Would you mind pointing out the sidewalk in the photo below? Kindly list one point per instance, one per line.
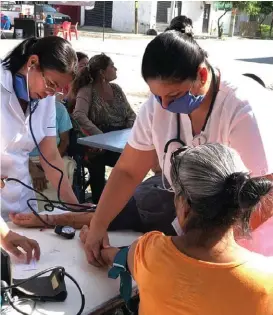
(97, 32)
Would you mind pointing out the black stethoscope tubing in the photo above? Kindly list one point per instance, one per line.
(178, 123)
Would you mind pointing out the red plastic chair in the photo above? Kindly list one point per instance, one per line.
(65, 29)
(56, 29)
(74, 29)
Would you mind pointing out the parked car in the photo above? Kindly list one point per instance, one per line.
(58, 17)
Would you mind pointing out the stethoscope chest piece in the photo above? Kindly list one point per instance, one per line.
(199, 139)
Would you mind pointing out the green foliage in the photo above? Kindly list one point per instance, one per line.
(250, 7)
(265, 31)
(265, 7)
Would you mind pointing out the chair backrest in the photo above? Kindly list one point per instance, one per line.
(75, 26)
(66, 25)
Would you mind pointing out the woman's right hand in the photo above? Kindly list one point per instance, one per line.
(96, 239)
(15, 243)
(26, 219)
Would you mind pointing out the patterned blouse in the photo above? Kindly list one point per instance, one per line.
(95, 115)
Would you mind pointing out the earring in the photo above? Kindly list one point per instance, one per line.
(103, 80)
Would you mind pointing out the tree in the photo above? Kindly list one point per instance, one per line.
(264, 9)
(249, 7)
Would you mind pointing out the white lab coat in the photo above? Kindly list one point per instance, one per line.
(17, 143)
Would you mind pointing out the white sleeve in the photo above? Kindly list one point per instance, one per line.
(50, 117)
(4, 229)
(141, 135)
(251, 136)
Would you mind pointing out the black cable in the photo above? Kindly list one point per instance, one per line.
(50, 204)
(12, 304)
(11, 301)
(51, 165)
(18, 301)
(80, 290)
(6, 288)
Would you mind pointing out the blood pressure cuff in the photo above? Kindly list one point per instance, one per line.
(120, 269)
(50, 288)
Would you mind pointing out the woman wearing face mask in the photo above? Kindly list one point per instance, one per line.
(30, 75)
(191, 103)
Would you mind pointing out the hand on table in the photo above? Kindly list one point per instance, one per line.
(94, 240)
(26, 219)
(20, 246)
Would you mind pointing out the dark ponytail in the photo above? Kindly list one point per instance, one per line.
(249, 195)
(220, 196)
(91, 72)
(18, 57)
(54, 53)
(172, 56)
(181, 24)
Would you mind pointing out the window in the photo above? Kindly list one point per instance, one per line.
(10, 6)
(48, 8)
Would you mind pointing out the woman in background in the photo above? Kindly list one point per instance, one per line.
(101, 106)
(83, 60)
(67, 97)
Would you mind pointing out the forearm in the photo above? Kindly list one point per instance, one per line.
(113, 200)
(76, 220)
(85, 123)
(109, 254)
(53, 176)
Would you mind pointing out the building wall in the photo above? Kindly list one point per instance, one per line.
(225, 20)
(100, 14)
(195, 11)
(73, 11)
(124, 16)
(146, 16)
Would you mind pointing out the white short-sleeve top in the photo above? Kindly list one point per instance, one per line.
(242, 118)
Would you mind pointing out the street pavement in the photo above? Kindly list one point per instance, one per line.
(237, 55)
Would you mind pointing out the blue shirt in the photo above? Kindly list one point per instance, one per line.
(63, 124)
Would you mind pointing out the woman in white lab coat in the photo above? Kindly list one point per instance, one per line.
(31, 74)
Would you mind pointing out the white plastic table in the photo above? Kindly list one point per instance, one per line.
(113, 141)
(100, 292)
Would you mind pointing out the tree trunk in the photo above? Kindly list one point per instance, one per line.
(220, 31)
(271, 27)
(260, 26)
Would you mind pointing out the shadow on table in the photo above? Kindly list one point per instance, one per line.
(266, 60)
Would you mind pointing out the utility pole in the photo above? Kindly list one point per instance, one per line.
(172, 10)
(136, 17)
(232, 22)
(103, 21)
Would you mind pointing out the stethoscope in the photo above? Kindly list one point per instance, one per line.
(197, 140)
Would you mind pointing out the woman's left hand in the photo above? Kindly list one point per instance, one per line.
(26, 219)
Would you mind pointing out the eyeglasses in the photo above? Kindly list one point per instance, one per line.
(51, 88)
(174, 163)
(174, 154)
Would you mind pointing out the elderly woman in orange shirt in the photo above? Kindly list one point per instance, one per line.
(204, 271)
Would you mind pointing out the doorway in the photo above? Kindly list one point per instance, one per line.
(205, 28)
